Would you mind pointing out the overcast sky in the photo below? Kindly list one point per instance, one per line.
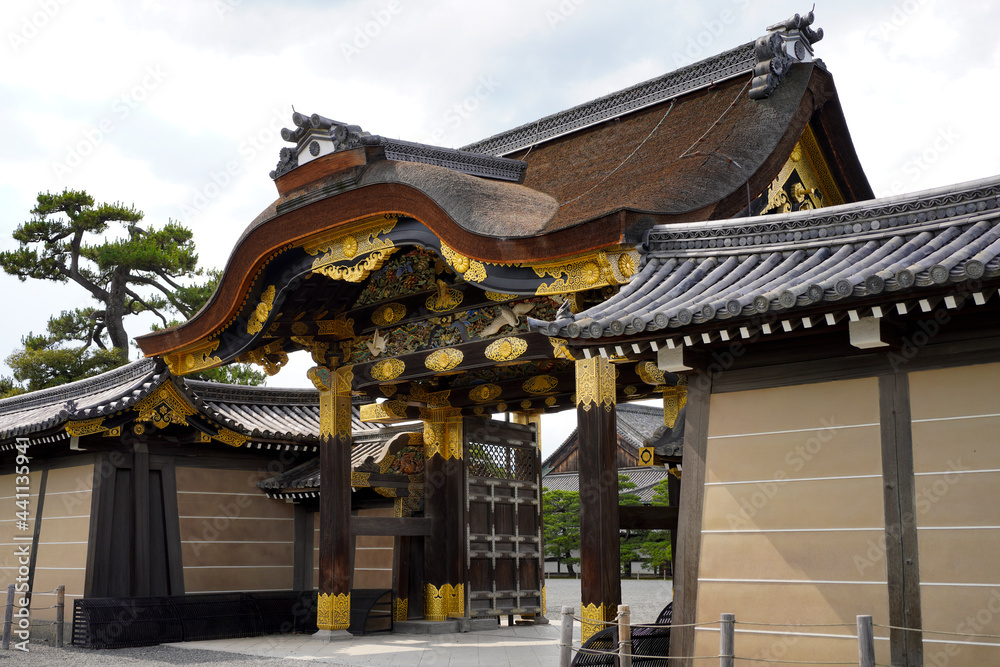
(175, 105)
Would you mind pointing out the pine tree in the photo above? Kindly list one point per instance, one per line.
(125, 268)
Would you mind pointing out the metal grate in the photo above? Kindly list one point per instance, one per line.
(502, 462)
(121, 622)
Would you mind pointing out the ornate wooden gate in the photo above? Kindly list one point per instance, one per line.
(503, 504)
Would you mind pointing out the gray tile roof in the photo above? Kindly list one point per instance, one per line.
(644, 478)
(717, 272)
(93, 397)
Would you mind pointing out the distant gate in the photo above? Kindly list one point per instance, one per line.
(503, 505)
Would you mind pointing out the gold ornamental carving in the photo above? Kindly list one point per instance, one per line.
(595, 383)
(443, 360)
(506, 349)
(231, 438)
(194, 360)
(649, 373)
(594, 618)
(163, 407)
(626, 265)
(674, 399)
(389, 314)
(399, 612)
(340, 327)
(472, 270)
(271, 357)
(260, 314)
(85, 427)
(435, 603)
(388, 369)
(444, 299)
(496, 296)
(384, 413)
(560, 350)
(540, 384)
(589, 272)
(484, 393)
(333, 612)
(366, 238)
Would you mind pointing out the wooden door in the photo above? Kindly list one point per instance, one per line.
(504, 509)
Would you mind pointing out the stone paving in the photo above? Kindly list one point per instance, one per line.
(522, 646)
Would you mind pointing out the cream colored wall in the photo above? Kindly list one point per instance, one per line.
(956, 462)
(62, 542)
(8, 525)
(793, 521)
(233, 537)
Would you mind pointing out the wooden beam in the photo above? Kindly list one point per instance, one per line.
(902, 566)
(687, 552)
(647, 517)
(381, 525)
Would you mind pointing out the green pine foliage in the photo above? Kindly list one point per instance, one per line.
(125, 269)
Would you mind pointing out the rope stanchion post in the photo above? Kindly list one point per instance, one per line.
(866, 642)
(727, 640)
(566, 637)
(8, 616)
(624, 637)
(60, 606)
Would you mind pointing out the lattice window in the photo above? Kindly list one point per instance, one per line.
(501, 461)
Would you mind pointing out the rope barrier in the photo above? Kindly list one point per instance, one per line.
(794, 662)
(590, 651)
(936, 632)
(799, 625)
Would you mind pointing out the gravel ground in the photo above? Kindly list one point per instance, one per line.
(42, 655)
(645, 597)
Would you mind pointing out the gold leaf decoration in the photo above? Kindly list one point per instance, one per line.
(559, 349)
(540, 384)
(588, 272)
(595, 383)
(496, 296)
(388, 369)
(506, 349)
(86, 427)
(550, 401)
(231, 438)
(649, 373)
(443, 360)
(435, 603)
(626, 265)
(446, 299)
(485, 393)
(300, 328)
(333, 612)
(360, 271)
(389, 314)
(476, 272)
(260, 314)
(399, 612)
(338, 328)
(163, 407)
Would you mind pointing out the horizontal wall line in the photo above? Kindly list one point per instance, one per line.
(792, 479)
(236, 542)
(960, 585)
(796, 530)
(791, 581)
(958, 528)
(794, 430)
(955, 418)
(955, 641)
(955, 472)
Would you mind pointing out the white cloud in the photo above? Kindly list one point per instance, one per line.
(906, 71)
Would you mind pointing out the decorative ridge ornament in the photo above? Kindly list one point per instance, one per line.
(316, 136)
(787, 42)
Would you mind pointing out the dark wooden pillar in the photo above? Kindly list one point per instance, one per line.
(334, 607)
(902, 566)
(600, 554)
(444, 505)
(687, 551)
